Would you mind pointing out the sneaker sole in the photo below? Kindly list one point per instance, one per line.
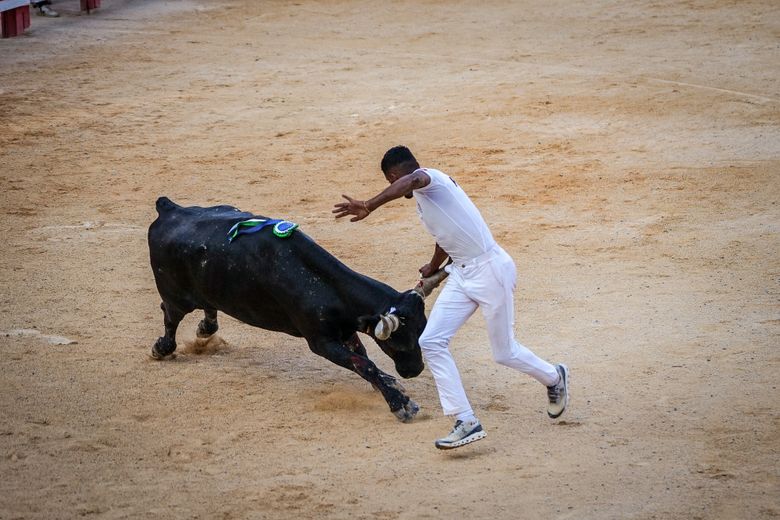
(466, 440)
(566, 401)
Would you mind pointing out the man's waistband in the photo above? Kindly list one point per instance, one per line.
(484, 257)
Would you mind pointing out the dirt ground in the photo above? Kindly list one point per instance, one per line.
(626, 154)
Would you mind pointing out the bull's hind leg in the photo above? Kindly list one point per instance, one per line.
(208, 325)
(165, 345)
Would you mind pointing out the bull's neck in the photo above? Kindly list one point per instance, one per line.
(369, 296)
(364, 294)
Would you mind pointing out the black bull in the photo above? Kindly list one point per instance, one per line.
(289, 285)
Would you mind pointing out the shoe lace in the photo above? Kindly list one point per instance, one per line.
(552, 393)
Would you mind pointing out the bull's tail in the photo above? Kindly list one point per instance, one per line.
(165, 204)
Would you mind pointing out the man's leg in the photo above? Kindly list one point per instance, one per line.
(451, 310)
(493, 289)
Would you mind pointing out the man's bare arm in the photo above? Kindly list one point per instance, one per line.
(361, 209)
(403, 186)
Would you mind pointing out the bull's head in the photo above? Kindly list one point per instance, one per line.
(397, 330)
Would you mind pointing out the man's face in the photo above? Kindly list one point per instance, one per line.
(395, 173)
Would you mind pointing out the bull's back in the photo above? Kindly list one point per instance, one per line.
(257, 278)
(181, 234)
(189, 246)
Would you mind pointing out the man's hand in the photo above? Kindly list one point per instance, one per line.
(359, 208)
(427, 270)
(432, 267)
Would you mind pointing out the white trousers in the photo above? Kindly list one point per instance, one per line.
(488, 282)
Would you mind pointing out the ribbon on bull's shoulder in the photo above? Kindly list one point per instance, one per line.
(284, 228)
(281, 228)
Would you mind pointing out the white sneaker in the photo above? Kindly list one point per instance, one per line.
(462, 433)
(558, 394)
(45, 10)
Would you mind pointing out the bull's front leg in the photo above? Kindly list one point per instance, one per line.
(404, 408)
(400, 404)
(355, 345)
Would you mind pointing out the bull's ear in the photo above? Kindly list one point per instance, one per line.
(367, 323)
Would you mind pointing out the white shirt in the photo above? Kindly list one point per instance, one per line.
(449, 215)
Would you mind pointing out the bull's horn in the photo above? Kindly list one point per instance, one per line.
(426, 285)
(388, 323)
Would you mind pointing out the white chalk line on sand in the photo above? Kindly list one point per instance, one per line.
(705, 87)
(52, 340)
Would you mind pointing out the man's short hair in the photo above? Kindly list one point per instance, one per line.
(398, 155)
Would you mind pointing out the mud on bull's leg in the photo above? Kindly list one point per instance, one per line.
(355, 345)
(208, 325)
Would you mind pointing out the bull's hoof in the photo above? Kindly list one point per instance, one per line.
(206, 329)
(407, 412)
(163, 348)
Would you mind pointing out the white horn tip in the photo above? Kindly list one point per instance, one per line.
(388, 323)
(382, 330)
(395, 322)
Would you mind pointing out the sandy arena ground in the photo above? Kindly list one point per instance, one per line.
(626, 154)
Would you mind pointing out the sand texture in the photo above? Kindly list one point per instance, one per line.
(626, 154)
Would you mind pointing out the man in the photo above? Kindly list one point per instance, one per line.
(482, 275)
(43, 8)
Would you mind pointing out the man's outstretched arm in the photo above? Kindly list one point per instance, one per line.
(362, 208)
